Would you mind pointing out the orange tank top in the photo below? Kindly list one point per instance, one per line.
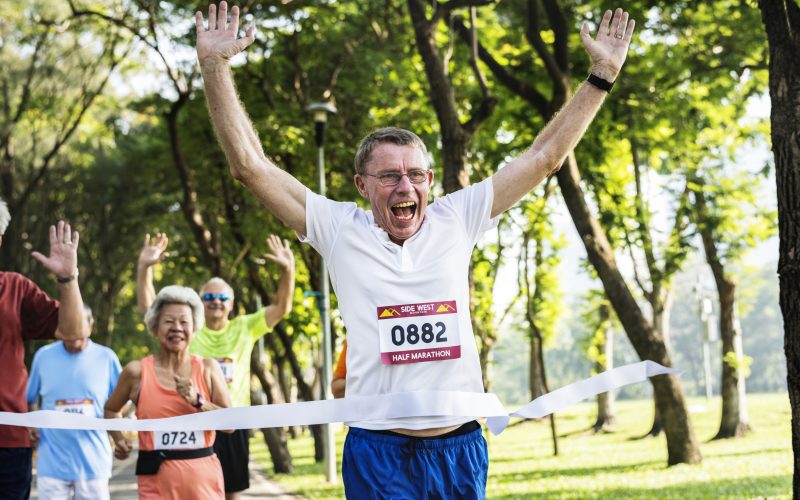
(155, 401)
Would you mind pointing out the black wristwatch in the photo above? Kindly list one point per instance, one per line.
(200, 401)
(600, 83)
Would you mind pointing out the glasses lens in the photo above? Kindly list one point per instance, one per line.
(417, 176)
(389, 179)
(208, 297)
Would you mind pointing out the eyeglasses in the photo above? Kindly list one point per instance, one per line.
(393, 178)
(208, 297)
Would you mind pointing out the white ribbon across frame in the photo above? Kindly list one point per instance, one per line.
(356, 409)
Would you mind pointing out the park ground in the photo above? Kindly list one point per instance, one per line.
(609, 465)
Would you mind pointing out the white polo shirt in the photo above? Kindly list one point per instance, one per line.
(406, 308)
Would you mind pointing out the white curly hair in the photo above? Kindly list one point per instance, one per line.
(175, 294)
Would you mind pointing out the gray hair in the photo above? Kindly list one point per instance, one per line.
(5, 217)
(175, 294)
(392, 135)
(216, 280)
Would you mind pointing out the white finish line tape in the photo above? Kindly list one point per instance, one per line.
(355, 409)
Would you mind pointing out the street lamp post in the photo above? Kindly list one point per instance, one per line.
(321, 111)
(705, 309)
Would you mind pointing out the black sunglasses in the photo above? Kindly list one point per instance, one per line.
(208, 297)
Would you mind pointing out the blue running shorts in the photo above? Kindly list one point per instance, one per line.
(386, 465)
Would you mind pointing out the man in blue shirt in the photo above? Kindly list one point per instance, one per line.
(73, 376)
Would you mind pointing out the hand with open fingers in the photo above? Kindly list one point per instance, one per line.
(63, 258)
(220, 39)
(280, 253)
(610, 48)
(186, 389)
(153, 251)
(122, 449)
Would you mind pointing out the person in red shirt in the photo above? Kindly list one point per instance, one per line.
(27, 313)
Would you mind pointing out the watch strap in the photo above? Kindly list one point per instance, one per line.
(600, 83)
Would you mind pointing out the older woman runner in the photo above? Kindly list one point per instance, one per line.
(173, 465)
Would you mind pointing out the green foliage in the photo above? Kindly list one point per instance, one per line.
(731, 360)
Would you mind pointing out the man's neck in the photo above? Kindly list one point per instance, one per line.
(216, 324)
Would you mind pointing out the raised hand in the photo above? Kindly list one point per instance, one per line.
(153, 252)
(610, 48)
(63, 258)
(221, 39)
(281, 254)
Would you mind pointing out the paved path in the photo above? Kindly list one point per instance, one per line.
(123, 483)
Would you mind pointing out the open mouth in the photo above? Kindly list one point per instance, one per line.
(404, 210)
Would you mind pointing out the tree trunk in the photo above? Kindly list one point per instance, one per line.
(782, 22)
(274, 437)
(206, 240)
(731, 422)
(535, 370)
(681, 443)
(606, 413)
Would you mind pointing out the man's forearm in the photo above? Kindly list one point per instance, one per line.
(285, 289)
(234, 129)
(565, 130)
(282, 306)
(549, 150)
(70, 312)
(145, 290)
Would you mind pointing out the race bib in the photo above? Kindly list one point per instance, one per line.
(178, 440)
(227, 368)
(414, 333)
(77, 406)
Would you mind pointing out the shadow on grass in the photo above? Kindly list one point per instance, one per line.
(769, 486)
(755, 451)
(542, 473)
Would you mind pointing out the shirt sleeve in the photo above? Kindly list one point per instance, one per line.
(39, 314)
(473, 204)
(114, 371)
(256, 323)
(34, 380)
(323, 218)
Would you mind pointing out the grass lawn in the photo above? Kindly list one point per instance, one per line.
(613, 465)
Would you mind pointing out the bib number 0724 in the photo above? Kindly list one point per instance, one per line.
(177, 438)
(412, 334)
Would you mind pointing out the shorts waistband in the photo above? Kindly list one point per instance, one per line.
(464, 434)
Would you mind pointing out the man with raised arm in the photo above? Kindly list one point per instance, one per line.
(229, 341)
(27, 313)
(400, 270)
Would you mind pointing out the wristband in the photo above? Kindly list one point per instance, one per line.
(600, 83)
(200, 401)
(66, 279)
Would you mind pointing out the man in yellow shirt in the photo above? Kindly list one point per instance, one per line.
(229, 341)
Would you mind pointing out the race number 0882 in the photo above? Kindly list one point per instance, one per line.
(412, 334)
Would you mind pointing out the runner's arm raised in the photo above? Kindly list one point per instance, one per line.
(607, 52)
(277, 190)
(281, 254)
